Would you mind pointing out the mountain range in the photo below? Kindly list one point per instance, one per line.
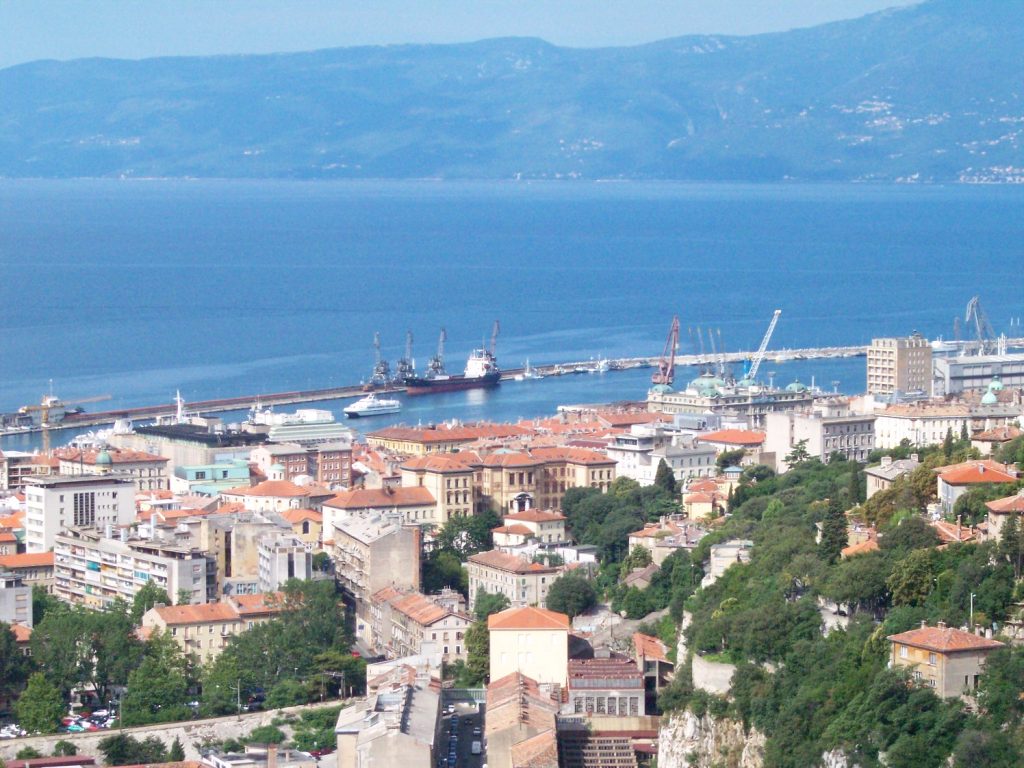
(927, 93)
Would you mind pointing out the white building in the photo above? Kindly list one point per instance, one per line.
(638, 453)
(56, 502)
(15, 600)
(899, 365)
(283, 557)
(928, 423)
(829, 428)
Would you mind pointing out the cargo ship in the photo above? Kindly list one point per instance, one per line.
(481, 371)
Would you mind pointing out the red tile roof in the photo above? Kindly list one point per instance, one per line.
(647, 647)
(517, 530)
(528, 618)
(22, 634)
(1007, 505)
(951, 532)
(974, 473)
(506, 562)
(272, 488)
(571, 455)
(510, 459)
(444, 434)
(300, 515)
(741, 437)
(945, 640)
(863, 548)
(998, 435)
(402, 496)
(205, 613)
(250, 605)
(27, 560)
(462, 461)
(536, 516)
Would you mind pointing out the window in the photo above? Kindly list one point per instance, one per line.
(932, 659)
(903, 651)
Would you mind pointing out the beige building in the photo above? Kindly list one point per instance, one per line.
(203, 630)
(521, 723)
(826, 429)
(882, 477)
(34, 568)
(530, 641)
(498, 573)
(409, 624)
(448, 478)
(277, 496)
(148, 471)
(514, 481)
(416, 505)
(945, 659)
(547, 527)
(902, 364)
(999, 512)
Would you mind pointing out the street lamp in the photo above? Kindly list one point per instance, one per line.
(972, 611)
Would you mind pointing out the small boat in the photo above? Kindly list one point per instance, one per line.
(603, 366)
(371, 405)
(528, 373)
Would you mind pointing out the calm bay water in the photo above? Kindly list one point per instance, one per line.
(220, 288)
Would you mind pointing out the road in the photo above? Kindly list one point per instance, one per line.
(468, 717)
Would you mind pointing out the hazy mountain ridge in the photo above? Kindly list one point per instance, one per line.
(929, 93)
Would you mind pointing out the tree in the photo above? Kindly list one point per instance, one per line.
(860, 583)
(321, 562)
(965, 436)
(478, 654)
(115, 647)
(833, 531)
(798, 455)
(947, 444)
(13, 664)
(60, 645)
(909, 534)
(640, 557)
(442, 568)
(64, 748)
(486, 604)
(146, 598)
(287, 693)
(728, 459)
(176, 753)
(571, 594)
(42, 601)
(467, 535)
(664, 478)
(1011, 543)
(158, 688)
(265, 734)
(40, 706)
(121, 749)
(184, 597)
(28, 753)
(912, 578)
(854, 489)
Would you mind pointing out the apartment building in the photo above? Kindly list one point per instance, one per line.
(829, 428)
(34, 568)
(899, 364)
(201, 630)
(56, 502)
(282, 557)
(15, 600)
(927, 423)
(416, 505)
(530, 641)
(16, 466)
(946, 659)
(94, 569)
(406, 623)
(522, 582)
(448, 477)
(147, 470)
(277, 496)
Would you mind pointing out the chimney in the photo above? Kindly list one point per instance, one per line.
(941, 625)
(271, 755)
(924, 624)
(886, 461)
(981, 469)
(124, 535)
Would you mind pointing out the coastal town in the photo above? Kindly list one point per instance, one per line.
(599, 587)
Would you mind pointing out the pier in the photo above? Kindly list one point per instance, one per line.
(152, 412)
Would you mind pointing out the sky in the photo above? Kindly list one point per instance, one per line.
(69, 29)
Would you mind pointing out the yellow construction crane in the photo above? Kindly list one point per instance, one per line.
(51, 403)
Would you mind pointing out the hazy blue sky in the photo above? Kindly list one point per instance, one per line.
(66, 29)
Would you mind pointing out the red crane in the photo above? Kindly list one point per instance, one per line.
(667, 364)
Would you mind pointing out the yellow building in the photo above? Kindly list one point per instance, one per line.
(442, 438)
(514, 481)
(449, 479)
(945, 659)
(531, 641)
(307, 524)
(202, 630)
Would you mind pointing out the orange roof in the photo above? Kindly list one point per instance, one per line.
(510, 459)
(571, 455)
(700, 498)
(974, 473)
(868, 545)
(536, 516)
(1007, 505)
(402, 496)
(300, 515)
(22, 634)
(951, 532)
(709, 486)
(528, 618)
(247, 605)
(945, 640)
(117, 456)
(506, 562)
(6, 537)
(517, 530)
(657, 530)
(445, 434)
(648, 647)
(443, 462)
(196, 614)
(998, 435)
(274, 488)
(28, 560)
(741, 437)
(414, 605)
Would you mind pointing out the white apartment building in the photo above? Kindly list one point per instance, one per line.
(928, 423)
(281, 558)
(56, 502)
(638, 453)
(827, 429)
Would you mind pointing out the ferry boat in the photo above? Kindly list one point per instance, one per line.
(481, 372)
(371, 405)
(306, 425)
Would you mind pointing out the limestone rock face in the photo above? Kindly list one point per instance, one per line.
(688, 741)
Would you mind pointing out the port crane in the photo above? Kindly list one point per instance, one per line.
(667, 363)
(381, 369)
(982, 327)
(406, 366)
(436, 365)
(51, 404)
(759, 356)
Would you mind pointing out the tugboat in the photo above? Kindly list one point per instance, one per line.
(482, 371)
(371, 405)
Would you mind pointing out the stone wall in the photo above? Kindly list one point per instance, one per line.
(712, 676)
(192, 733)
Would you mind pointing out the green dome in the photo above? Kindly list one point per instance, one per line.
(746, 383)
(995, 385)
(989, 398)
(277, 468)
(103, 457)
(662, 389)
(796, 386)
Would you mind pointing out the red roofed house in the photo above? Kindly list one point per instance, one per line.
(545, 526)
(34, 568)
(522, 582)
(307, 524)
(448, 477)
(277, 496)
(956, 480)
(416, 505)
(1000, 510)
(531, 641)
(409, 623)
(666, 536)
(943, 658)
(651, 657)
(203, 630)
(988, 441)
(148, 470)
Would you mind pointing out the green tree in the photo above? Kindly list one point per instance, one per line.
(146, 598)
(665, 479)
(321, 562)
(1011, 543)
(478, 653)
(184, 597)
(265, 734)
(727, 459)
(13, 664)
(467, 535)
(571, 594)
(176, 753)
(965, 436)
(798, 455)
(947, 444)
(28, 753)
(640, 557)
(912, 578)
(854, 491)
(116, 649)
(64, 748)
(287, 693)
(833, 531)
(860, 583)
(122, 749)
(61, 646)
(442, 568)
(42, 601)
(40, 706)
(909, 534)
(487, 603)
(158, 688)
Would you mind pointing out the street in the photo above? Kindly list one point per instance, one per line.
(469, 719)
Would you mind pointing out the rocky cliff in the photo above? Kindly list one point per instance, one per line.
(688, 741)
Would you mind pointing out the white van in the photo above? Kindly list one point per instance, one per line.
(475, 749)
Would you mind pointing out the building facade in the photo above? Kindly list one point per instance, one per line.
(57, 502)
(530, 641)
(945, 659)
(15, 600)
(899, 364)
(497, 573)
